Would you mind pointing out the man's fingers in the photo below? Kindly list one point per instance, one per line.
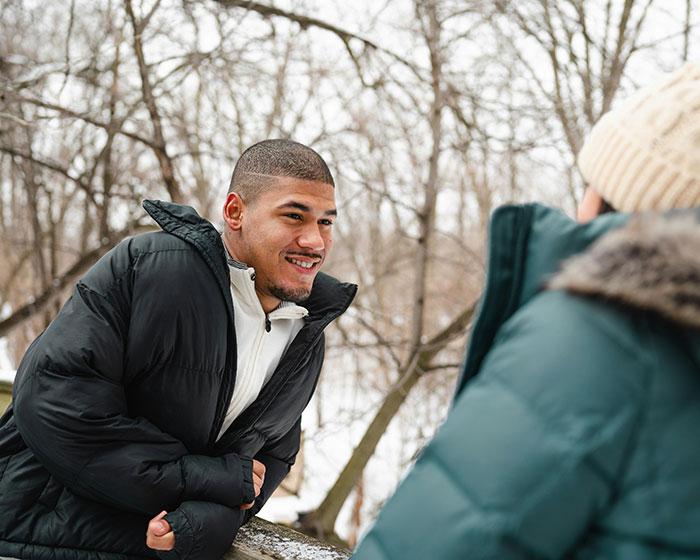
(257, 484)
(166, 542)
(258, 479)
(158, 535)
(258, 468)
(258, 475)
(159, 526)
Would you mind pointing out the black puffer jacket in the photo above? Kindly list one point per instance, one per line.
(118, 403)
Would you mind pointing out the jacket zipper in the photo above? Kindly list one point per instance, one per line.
(304, 352)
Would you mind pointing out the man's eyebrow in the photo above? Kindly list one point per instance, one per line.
(305, 208)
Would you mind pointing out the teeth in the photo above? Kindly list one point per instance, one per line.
(302, 264)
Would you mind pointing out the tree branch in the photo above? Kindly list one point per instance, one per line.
(53, 166)
(44, 299)
(83, 117)
(306, 22)
(166, 164)
(73, 274)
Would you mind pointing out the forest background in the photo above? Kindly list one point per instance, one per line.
(429, 112)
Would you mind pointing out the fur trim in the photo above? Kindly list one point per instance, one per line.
(652, 263)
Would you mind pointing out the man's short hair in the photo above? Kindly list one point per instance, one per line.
(259, 165)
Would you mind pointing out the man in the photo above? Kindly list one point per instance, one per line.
(574, 429)
(174, 378)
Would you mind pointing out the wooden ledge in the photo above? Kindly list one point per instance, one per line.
(262, 540)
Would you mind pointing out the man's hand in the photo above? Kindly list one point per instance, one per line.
(258, 479)
(159, 536)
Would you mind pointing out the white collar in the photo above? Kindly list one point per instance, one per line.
(243, 285)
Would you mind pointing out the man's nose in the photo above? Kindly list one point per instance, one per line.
(311, 238)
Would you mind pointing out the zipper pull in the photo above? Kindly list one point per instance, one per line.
(268, 324)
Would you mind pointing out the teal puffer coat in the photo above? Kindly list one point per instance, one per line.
(574, 430)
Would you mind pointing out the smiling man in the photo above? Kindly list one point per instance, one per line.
(170, 387)
(286, 230)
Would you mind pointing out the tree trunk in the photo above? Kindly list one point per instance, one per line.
(321, 523)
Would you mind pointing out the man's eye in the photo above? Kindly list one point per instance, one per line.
(293, 216)
(326, 222)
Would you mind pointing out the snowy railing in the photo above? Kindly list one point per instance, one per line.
(263, 540)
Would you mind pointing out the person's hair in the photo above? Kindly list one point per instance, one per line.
(260, 165)
(605, 207)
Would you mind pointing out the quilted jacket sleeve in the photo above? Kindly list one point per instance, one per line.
(531, 449)
(71, 410)
(205, 530)
(278, 458)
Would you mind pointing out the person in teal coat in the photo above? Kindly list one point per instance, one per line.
(574, 429)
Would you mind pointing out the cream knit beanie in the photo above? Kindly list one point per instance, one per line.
(645, 153)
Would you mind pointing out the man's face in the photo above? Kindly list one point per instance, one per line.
(285, 235)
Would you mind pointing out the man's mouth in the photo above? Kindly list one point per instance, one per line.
(307, 263)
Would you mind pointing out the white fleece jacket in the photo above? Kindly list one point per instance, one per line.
(259, 350)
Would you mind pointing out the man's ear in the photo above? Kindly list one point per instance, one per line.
(233, 211)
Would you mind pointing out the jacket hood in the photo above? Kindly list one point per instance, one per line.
(651, 263)
(184, 222)
(533, 246)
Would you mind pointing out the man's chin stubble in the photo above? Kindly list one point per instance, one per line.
(288, 294)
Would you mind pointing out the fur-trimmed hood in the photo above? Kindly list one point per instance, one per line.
(651, 263)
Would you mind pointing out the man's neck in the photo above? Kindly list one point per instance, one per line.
(268, 302)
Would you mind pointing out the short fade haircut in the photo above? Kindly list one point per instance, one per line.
(259, 165)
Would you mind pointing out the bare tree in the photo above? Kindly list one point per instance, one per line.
(102, 121)
(588, 48)
(104, 104)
